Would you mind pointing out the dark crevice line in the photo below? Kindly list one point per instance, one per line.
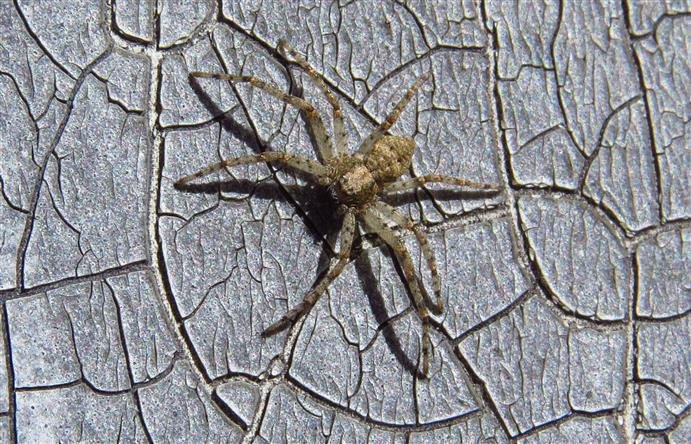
(602, 216)
(205, 26)
(651, 132)
(11, 395)
(611, 216)
(172, 304)
(156, 31)
(6, 198)
(545, 288)
(600, 138)
(35, 131)
(106, 393)
(114, 101)
(521, 67)
(24, 101)
(649, 381)
(301, 389)
(418, 23)
(539, 135)
(554, 423)
(38, 42)
(136, 41)
(232, 376)
(61, 386)
(57, 211)
(664, 433)
(655, 25)
(217, 118)
(7, 295)
(128, 359)
(560, 99)
(140, 415)
(389, 322)
(479, 385)
(662, 319)
(629, 392)
(230, 414)
(28, 228)
(553, 188)
(504, 312)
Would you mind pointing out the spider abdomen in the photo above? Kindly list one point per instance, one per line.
(390, 158)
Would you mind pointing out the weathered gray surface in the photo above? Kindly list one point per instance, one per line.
(132, 311)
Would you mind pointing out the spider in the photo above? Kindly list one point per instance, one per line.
(357, 182)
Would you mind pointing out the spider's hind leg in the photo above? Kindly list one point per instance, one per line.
(389, 236)
(337, 113)
(347, 236)
(315, 121)
(436, 307)
(317, 170)
(381, 130)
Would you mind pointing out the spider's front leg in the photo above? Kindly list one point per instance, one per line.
(319, 171)
(337, 114)
(375, 223)
(315, 121)
(346, 243)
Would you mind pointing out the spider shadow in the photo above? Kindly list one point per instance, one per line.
(319, 211)
(365, 274)
(227, 122)
(412, 196)
(314, 201)
(270, 190)
(314, 204)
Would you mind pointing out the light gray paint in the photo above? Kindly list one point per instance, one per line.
(132, 311)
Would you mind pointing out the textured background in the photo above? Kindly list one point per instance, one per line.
(132, 311)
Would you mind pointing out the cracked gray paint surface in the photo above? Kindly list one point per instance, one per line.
(135, 309)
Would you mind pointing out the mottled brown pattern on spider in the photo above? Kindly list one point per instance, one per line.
(357, 182)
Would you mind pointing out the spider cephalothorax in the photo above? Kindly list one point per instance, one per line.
(352, 182)
(358, 181)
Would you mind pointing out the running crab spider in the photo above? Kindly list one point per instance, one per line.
(357, 182)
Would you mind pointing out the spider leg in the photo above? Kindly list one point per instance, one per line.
(405, 222)
(347, 236)
(315, 121)
(375, 223)
(435, 178)
(379, 132)
(339, 128)
(319, 171)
